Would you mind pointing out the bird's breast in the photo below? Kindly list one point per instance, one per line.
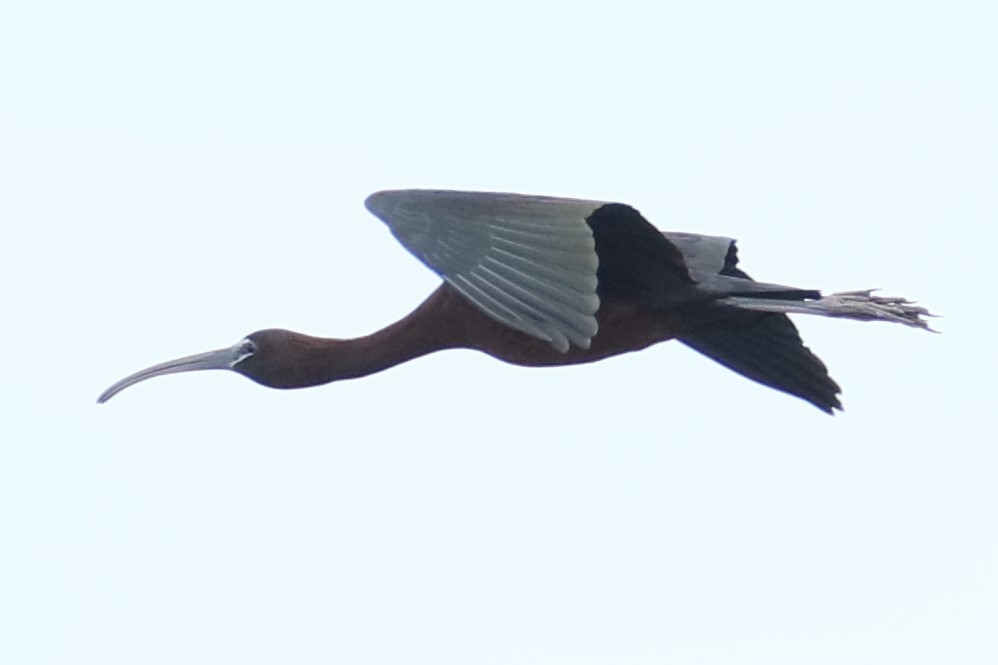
(623, 327)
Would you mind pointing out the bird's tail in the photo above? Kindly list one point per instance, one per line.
(857, 305)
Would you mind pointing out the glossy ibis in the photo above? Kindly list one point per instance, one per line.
(540, 281)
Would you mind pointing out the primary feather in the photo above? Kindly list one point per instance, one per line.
(527, 261)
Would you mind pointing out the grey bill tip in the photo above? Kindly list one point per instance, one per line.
(219, 359)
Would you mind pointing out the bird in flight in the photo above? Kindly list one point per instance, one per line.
(543, 281)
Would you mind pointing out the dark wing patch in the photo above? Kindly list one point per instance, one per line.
(731, 268)
(636, 262)
(768, 349)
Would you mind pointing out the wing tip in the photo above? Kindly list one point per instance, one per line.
(379, 203)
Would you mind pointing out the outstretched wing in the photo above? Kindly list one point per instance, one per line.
(527, 261)
(767, 348)
(707, 255)
(713, 263)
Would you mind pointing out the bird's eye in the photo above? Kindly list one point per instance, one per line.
(246, 349)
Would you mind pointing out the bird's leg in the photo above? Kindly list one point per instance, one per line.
(857, 305)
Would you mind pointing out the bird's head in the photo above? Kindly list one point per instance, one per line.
(267, 356)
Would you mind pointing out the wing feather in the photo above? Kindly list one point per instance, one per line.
(527, 261)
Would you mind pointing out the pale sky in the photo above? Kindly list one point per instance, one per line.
(176, 177)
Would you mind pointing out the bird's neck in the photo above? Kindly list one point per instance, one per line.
(435, 325)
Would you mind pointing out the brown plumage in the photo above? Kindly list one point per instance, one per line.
(539, 281)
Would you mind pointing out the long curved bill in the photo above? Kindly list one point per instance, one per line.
(220, 359)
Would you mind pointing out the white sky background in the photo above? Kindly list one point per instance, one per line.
(174, 178)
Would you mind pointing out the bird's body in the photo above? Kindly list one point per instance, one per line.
(540, 281)
(446, 320)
